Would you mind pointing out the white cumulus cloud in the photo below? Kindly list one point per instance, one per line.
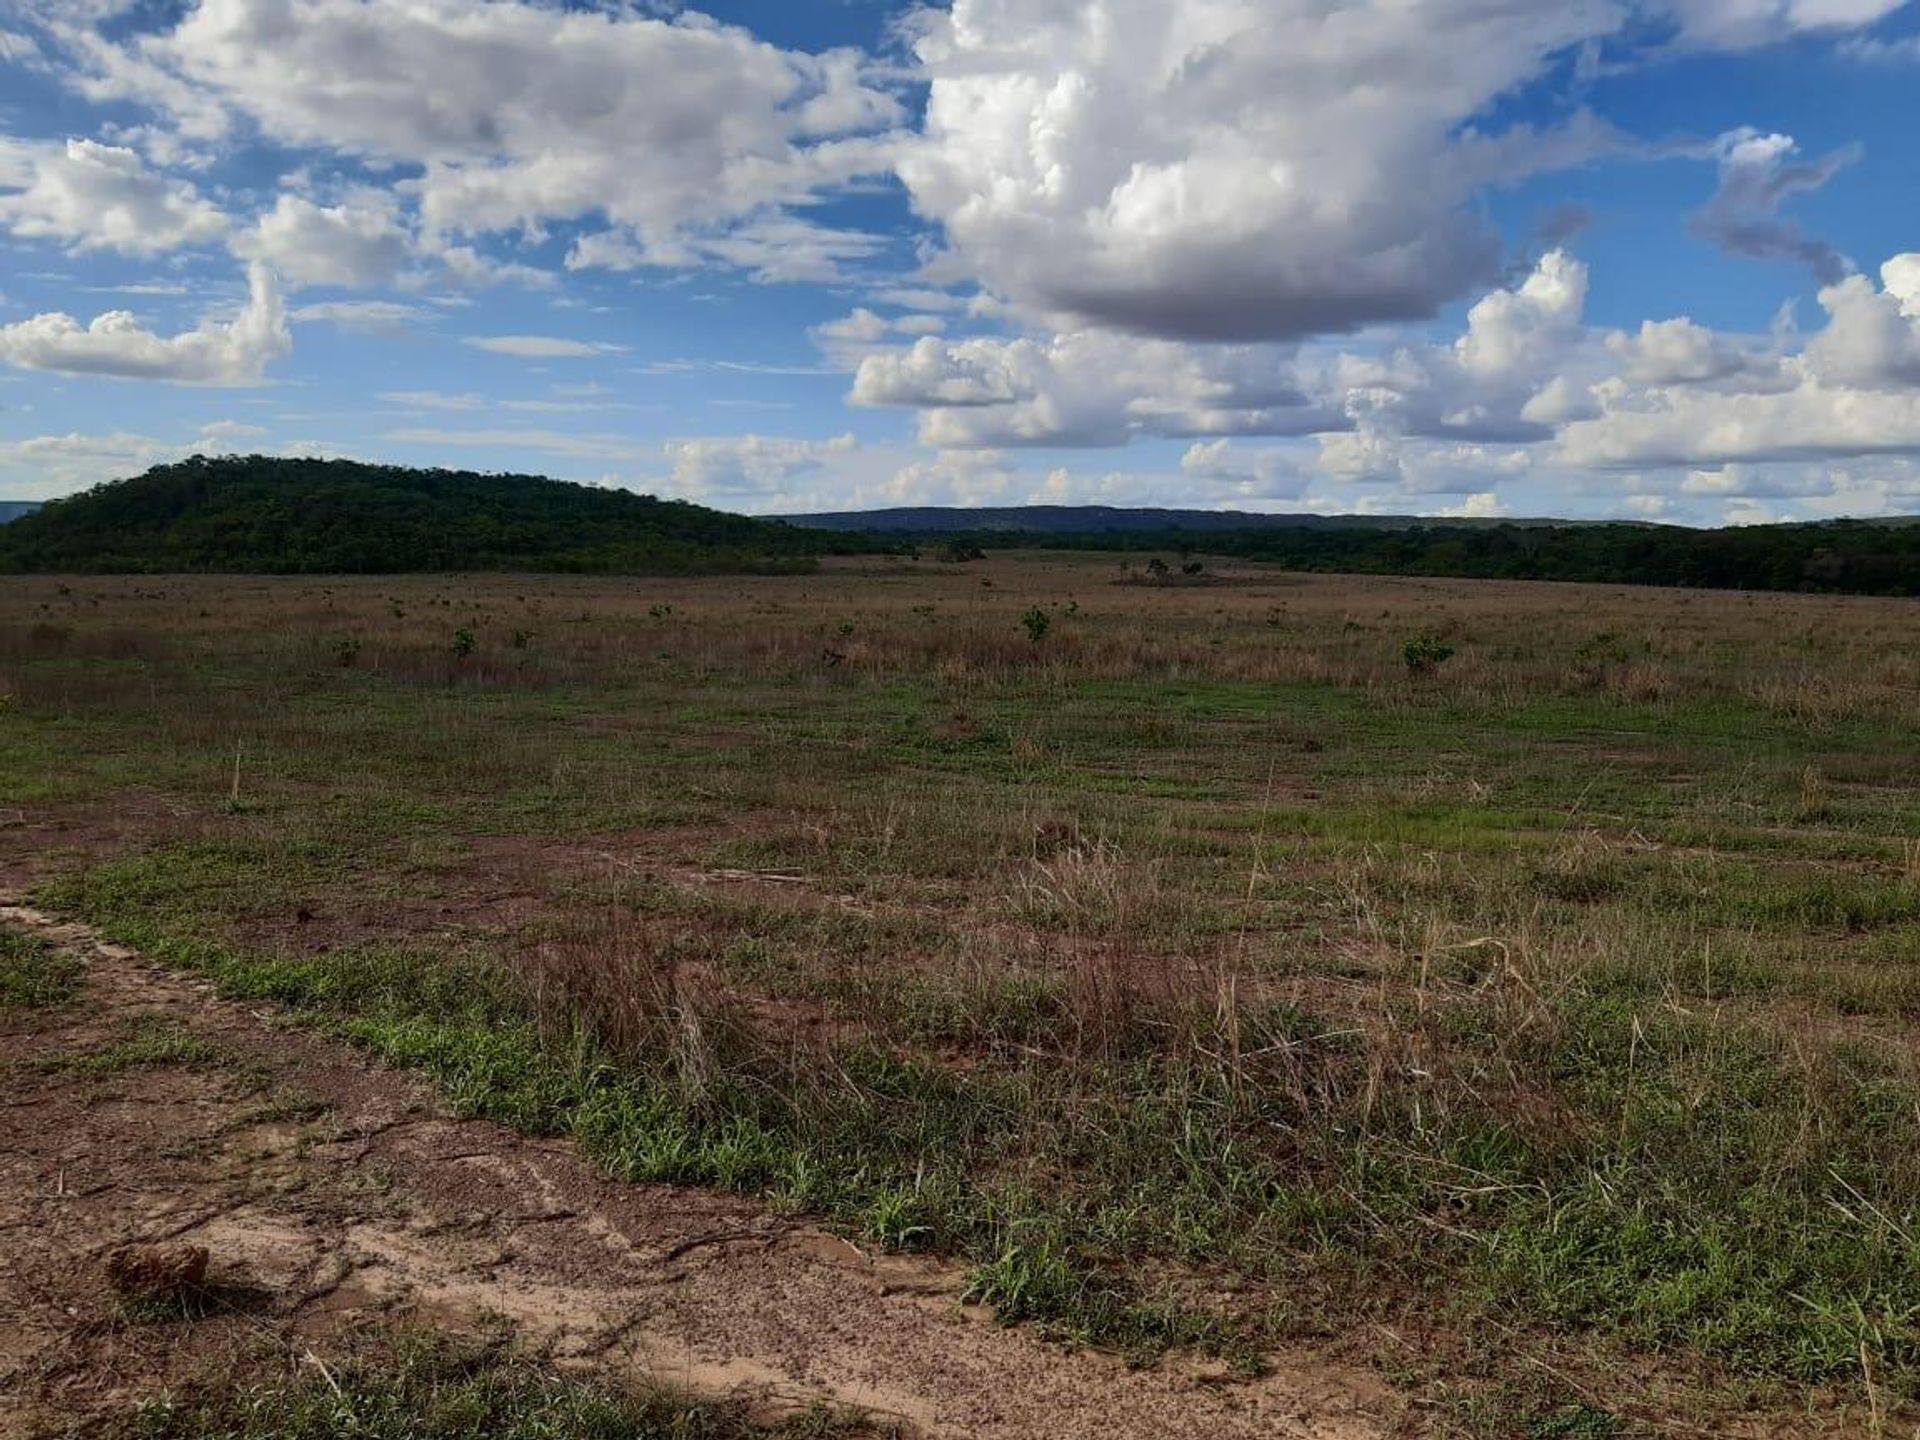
(1853, 390)
(219, 352)
(518, 113)
(359, 245)
(754, 466)
(1088, 388)
(88, 196)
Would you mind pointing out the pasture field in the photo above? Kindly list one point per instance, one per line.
(1508, 990)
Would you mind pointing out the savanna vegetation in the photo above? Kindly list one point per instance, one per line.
(1512, 985)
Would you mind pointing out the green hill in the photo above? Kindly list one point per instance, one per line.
(285, 516)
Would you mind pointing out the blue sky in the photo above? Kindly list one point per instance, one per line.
(1646, 258)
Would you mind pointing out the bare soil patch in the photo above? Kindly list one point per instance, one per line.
(331, 1193)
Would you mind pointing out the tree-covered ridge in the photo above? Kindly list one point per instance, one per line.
(291, 516)
(1857, 557)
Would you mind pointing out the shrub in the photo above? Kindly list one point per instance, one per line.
(1426, 653)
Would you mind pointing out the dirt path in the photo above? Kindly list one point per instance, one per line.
(332, 1191)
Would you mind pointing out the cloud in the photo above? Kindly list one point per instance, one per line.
(1869, 50)
(1500, 381)
(754, 466)
(1743, 24)
(519, 113)
(87, 196)
(366, 316)
(229, 352)
(849, 340)
(1274, 169)
(1257, 475)
(18, 49)
(1365, 457)
(1233, 169)
(1751, 482)
(774, 250)
(542, 347)
(1485, 505)
(965, 478)
(1703, 428)
(432, 400)
(570, 443)
(45, 467)
(1853, 390)
(1088, 388)
(1872, 338)
(359, 245)
(1680, 352)
(1757, 174)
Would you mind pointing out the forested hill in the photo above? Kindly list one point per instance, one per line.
(14, 509)
(285, 516)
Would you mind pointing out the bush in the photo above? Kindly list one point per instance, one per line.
(1426, 653)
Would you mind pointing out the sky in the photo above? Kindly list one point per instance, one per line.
(1651, 259)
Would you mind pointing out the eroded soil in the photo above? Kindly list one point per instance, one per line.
(334, 1193)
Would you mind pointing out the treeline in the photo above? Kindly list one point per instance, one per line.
(1856, 557)
(271, 515)
(259, 514)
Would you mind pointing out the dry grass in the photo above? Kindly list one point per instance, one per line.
(1554, 987)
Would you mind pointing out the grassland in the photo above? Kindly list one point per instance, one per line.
(1200, 973)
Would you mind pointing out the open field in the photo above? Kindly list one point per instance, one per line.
(1523, 1037)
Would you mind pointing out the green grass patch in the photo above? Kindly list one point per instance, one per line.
(34, 974)
(147, 1041)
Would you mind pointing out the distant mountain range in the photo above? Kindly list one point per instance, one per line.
(15, 509)
(1110, 520)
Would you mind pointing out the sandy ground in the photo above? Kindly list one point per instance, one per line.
(333, 1192)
